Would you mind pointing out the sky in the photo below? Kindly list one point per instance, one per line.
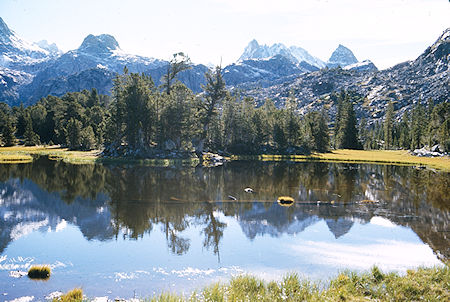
(216, 31)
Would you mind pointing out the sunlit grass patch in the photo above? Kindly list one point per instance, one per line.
(424, 284)
(39, 272)
(75, 295)
(395, 157)
(19, 154)
(6, 158)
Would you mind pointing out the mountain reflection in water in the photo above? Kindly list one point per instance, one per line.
(106, 201)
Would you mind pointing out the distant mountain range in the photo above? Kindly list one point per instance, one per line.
(30, 71)
(404, 84)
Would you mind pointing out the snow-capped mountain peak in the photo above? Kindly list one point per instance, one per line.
(295, 54)
(15, 51)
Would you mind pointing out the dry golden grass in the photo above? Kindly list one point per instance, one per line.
(75, 295)
(396, 157)
(20, 154)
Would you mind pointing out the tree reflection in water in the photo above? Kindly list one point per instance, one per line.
(106, 201)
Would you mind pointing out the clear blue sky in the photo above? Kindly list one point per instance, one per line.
(385, 31)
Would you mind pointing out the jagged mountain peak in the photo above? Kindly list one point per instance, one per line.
(253, 51)
(99, 44)
(342, 56)
(295, 54)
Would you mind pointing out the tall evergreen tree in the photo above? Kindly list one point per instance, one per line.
(404, 135)
(292, 121)
(31, 138)
(417, 120)
(94, 99)
(214, 93)
(9, 139)
(346, 133)
(388, 126)
(74, 133)
(317, 131)
(179, 62)
(20, 114)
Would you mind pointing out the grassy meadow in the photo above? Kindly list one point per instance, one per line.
(22, 154)
(393, 157)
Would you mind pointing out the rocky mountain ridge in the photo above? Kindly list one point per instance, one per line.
(404, 84)
(29, 72)
(294, 53)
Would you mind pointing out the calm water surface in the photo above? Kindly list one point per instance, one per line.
(125, 231)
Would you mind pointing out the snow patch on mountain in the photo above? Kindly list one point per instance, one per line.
(51, 48)
(364, 65)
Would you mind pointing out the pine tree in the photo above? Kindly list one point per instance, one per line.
(87, 139)
(417, 120)
(279, 136)
(9, 139)
(404, 136)
(292, 121)
(346, 133)
(317, 131)
(388, 126)
(215, 92)
(74, 134)
(179, 62)
(428, 133)
(20, 118)
(364, 134)
(31, 138)
(94, 99)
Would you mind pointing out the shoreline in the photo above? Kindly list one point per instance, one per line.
(23, 154)
(420, 283)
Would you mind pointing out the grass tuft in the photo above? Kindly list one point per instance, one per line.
(75, 295)
(39, 272)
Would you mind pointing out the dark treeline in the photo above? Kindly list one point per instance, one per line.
(426, 125)
(141, 119)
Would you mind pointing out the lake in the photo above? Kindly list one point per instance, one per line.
(133, 231)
